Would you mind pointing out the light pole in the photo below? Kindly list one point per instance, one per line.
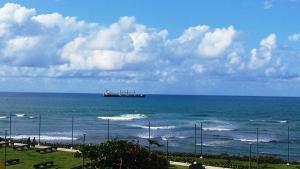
(107, 129)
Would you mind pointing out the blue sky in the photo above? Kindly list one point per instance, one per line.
(175, 47)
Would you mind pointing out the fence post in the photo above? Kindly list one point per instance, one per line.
(167, 149)
(257, 152)
(288, 142)
(107, 129)
(72, 132)
(149, 137)
(250, 151)
(40, 118)
(83, 156)
(195, 140)
(5, 144)
(10, 125)
(201, 141)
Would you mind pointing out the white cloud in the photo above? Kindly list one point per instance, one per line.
(294, 37)
(122, 43)
(192, 33)
(53, 45)
(15, 13)
(216, 42)
(263, 55)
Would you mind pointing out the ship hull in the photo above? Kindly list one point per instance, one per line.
(116, 95)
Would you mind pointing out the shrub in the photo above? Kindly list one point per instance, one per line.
(123, 154)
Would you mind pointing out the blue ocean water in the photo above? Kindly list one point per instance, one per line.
(229, 122)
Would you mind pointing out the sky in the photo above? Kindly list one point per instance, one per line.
(207, 47)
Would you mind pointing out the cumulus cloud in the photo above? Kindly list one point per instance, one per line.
(294, 37)
(215, 43)
(53, 45)
(263, 55)
(124, 43)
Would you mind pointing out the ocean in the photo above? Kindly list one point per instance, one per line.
(229, 122)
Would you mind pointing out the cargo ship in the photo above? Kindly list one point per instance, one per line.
(121, 93)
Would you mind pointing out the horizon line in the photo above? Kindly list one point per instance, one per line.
(166, 94)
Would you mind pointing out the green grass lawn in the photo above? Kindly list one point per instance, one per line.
(63, 160)
(67, 160)
(30, 157)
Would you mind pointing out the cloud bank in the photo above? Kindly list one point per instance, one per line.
(57, 46)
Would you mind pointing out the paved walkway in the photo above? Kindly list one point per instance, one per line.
(186, 165)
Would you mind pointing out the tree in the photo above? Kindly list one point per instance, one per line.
(116, 154)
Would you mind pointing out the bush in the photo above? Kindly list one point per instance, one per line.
(117, 154)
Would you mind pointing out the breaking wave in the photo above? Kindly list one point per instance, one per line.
(216, 129)
(20, 115)
(44, 137)
(123, 117)
(153, 127)
(254, 140)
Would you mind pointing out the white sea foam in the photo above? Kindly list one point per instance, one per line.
(3, 117)
(45, 137)
(216, 129)
(181, 137)
(31, 117)
(169, 137)
(153, 127)
(145, 136)
(164, 138)
(270, 121)
(254, 140)
(20, 115)
(214, 143)
(123, 117)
